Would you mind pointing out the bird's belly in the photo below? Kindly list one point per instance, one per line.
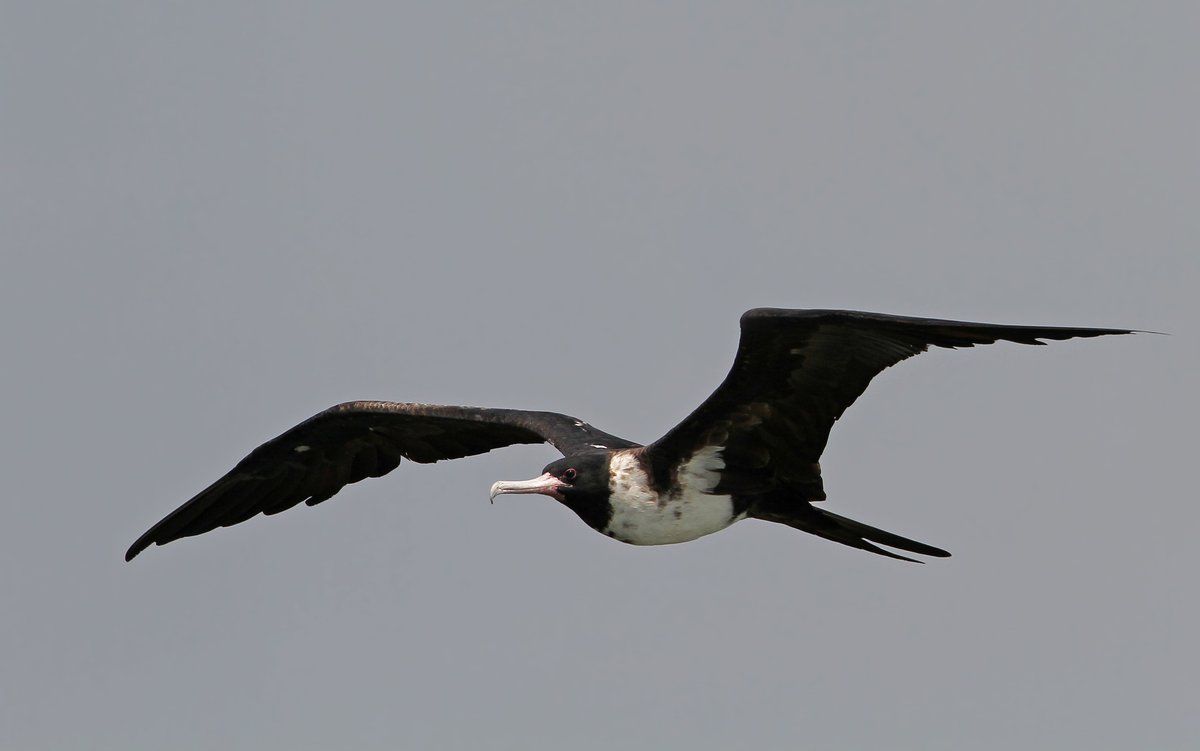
(640, 520)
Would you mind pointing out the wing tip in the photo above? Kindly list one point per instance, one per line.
(136, 548)
(1063, 332)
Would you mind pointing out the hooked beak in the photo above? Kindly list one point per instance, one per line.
(547, 484)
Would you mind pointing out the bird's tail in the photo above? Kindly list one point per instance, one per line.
(831, 526)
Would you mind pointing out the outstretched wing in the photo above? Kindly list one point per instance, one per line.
(352, 441)
(795, 373)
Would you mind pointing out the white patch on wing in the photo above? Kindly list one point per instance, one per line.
(302, 449)
(641, 517)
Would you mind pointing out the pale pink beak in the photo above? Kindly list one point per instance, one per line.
(547, 484)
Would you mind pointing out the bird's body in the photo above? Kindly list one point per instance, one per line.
(643, 515)
(751, 450)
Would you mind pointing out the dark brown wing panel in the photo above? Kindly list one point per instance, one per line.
(356, 440)
(796, 372)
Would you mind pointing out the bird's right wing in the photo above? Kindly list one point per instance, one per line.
(352, 441)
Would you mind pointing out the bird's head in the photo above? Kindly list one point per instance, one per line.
(579, 482)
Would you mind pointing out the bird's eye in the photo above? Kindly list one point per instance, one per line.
(570, 475)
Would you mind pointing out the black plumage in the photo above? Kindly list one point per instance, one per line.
(795, 373)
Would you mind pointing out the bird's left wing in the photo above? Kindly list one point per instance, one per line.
(795, 373)
(355, 440)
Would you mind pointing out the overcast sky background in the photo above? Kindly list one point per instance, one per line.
(219, 218)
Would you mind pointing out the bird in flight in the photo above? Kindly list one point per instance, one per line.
(751, 450)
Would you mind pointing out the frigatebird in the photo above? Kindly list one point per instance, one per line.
(751, 450)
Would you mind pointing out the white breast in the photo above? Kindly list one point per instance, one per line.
(641, 517)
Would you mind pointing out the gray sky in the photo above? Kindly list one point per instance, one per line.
(219, 218)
